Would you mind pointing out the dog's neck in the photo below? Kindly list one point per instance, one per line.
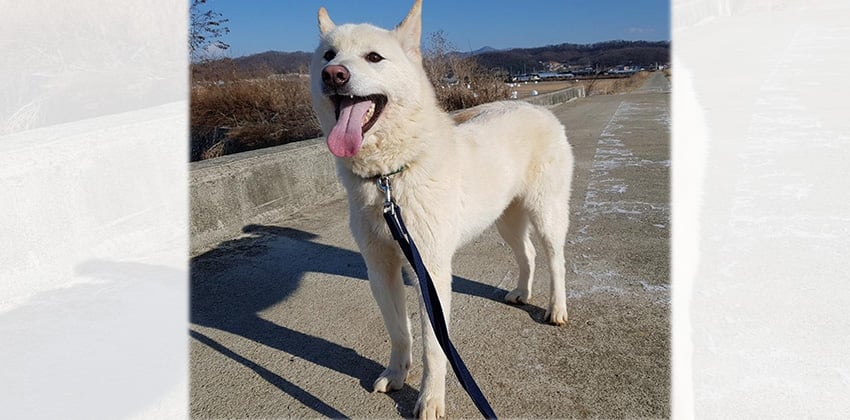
(400, 146)
(381, 157)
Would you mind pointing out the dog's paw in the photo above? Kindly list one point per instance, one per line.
(518, 296)
(390, 380)
(557, 315)
(430, 407)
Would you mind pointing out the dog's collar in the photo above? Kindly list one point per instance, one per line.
(395, 172)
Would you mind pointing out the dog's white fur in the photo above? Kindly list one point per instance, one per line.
(505, 162)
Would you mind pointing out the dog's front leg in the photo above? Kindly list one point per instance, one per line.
(383, 263)
(432, 391)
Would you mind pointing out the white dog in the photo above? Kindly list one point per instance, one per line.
(505, 162)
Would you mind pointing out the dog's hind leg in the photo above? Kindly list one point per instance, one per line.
(383, 263)
(514, 227)
(552, 222)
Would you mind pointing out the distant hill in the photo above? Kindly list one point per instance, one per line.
(481, 50)
(276, 61)
(602, 54)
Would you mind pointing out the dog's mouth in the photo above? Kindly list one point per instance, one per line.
(355, 115)
(372, 113)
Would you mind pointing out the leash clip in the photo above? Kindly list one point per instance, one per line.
(384, 185)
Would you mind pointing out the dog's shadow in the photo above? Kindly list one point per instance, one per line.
(231, 284)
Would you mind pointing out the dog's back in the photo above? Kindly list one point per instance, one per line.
(506, 151)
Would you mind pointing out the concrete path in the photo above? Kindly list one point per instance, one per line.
(283, 323)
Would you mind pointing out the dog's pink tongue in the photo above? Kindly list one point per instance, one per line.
(347, 135)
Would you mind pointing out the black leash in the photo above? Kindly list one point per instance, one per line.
(392, 214)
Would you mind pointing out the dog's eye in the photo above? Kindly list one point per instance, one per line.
(374, 57)
(330, 55)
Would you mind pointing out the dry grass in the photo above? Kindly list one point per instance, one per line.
(524, 90)
(477, 91)
(614, 86)
(241, 115)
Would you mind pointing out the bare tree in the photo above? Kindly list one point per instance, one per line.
(460, 82)
(206, 27)
(437, 58)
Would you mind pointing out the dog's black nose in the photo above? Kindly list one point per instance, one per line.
(335, 76)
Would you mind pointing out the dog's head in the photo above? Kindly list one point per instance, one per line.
(361, 75)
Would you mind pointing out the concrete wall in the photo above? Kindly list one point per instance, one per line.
(265, 185)
(260, 186)
(557, 97)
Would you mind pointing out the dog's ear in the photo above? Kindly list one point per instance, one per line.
(325, 23)
(409, 31)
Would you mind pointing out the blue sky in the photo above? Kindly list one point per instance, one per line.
(290, 25)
